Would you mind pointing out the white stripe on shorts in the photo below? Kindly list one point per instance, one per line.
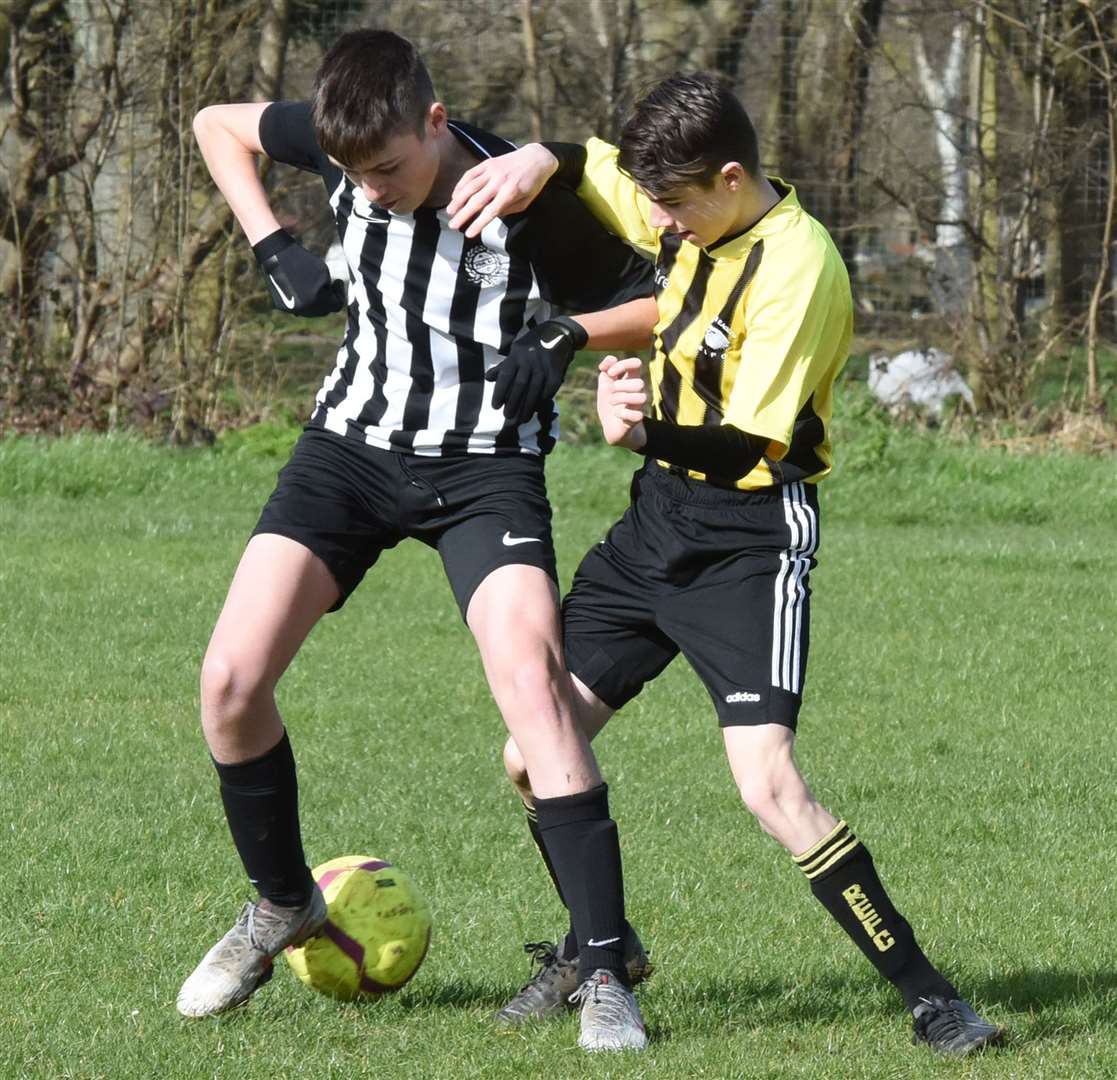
(790, 590)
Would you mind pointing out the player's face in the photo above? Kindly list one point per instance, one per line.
(699, 215)
(400, 174)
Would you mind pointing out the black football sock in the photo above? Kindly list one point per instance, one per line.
(568, 947)
(582, 841)
(843, 879)
(261, 800)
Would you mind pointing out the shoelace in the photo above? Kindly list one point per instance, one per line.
(941, 1021)
(612, 999)
(541, 953)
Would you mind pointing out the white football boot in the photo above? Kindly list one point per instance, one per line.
(610, 1017)
(242, 960)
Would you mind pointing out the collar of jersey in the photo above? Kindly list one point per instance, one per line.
(780, 217)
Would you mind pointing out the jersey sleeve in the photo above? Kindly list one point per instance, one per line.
(614, 198)
(287, 135)
(798, 323)
(580, 266)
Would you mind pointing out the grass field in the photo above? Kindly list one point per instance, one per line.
(960, 714)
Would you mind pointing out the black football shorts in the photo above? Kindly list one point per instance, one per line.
(347, 502)
(718, 574)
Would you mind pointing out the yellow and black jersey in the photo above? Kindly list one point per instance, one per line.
(751, 333)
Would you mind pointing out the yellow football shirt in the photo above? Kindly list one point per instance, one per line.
(751, 333)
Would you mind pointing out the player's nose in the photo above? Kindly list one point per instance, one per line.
(372, 193)
(658, 218)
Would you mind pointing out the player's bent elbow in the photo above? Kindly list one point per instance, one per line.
(203, 121)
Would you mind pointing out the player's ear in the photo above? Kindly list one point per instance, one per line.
(436, 118)
(734, 175)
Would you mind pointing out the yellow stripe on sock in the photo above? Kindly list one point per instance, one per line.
(840, 853)
(836, 834)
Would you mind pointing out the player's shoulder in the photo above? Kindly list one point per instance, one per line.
(484, 144)
(801, 249)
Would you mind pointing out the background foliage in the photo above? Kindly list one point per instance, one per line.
(961, 151)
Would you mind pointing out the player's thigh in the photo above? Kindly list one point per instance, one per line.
(339, 499)
(743, 623)
(760, 753)
(611, 638)
(499, 519)
(513, 615)
(279, 591)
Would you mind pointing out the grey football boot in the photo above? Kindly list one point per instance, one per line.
(242, 960)
(952, 1028)
(548, 992)
(610, 1017)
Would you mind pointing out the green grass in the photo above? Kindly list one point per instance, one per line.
(959, 714)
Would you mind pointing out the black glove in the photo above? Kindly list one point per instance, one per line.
(534, 367)
(299, 282)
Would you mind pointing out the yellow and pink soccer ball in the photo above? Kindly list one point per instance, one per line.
(376, 934)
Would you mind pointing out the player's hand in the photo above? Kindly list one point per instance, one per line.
(299, 283)
(500, 185)
(535, 367)
(622, 394)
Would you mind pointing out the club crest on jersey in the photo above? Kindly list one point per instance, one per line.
(716, 340)
(483, 266)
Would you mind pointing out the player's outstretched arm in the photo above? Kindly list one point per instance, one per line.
(621, 396)
(500, 185)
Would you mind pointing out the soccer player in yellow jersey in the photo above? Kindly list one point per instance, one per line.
(713, 556)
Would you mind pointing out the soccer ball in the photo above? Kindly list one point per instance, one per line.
(376, 933)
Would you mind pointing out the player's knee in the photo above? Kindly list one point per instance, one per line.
(229, 689)
(760, 794)
(530, 679)
(516, 769)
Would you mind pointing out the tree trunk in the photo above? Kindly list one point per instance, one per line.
(533, 86)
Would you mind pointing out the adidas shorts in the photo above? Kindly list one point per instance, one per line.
(347, 502)
(718, 574)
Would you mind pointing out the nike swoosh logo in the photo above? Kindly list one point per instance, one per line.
(508, 540)
(551, 344)
(375, 220)
(607, 941)
(288, 300)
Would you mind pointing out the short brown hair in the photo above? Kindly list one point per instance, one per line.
(371, 85)
(683, 130)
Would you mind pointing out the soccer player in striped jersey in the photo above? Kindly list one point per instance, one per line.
(433, 425)
(713, 556)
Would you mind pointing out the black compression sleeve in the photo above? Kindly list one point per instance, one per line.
(572, 163)
(721, 450)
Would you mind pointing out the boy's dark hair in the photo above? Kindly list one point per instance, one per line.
(683, 130)
(371, 85)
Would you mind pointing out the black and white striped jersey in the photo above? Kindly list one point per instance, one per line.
(430, 311)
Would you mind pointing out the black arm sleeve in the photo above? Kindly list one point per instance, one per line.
(287, 135)
(572, 163)
(580, 266)
(716, 450)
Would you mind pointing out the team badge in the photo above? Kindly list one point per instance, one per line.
(715, 341)
(483, 266)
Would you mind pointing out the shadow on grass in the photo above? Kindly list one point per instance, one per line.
(1043, 988)
(460, 994)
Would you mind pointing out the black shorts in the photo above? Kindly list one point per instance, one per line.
(347, 502)
(720, 575)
